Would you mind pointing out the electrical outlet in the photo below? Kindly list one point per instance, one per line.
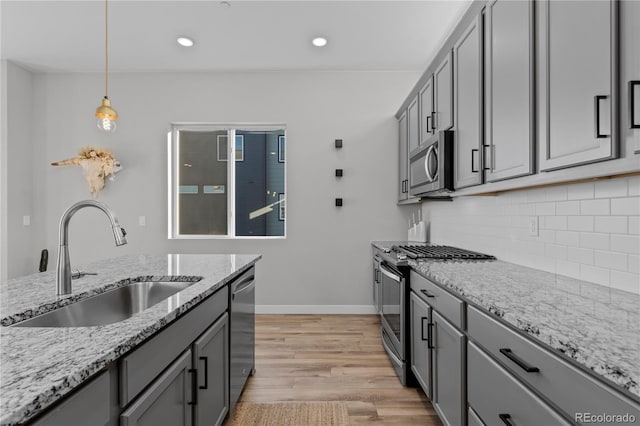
(533, 226)
(26, 220)
(142, 220)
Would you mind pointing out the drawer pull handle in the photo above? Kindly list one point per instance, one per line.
(194, 386)
(522, 364)
(426, 293)
(506, 419)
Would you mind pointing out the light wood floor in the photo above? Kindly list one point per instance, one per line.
(333, 358)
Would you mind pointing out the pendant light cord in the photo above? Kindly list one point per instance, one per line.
(106, 49)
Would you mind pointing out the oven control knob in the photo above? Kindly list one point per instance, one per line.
(402, 256)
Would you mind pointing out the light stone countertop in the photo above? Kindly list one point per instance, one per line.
(40, 365)
(595, 326)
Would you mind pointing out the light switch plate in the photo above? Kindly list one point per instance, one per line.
(26, 220)
(533, 226)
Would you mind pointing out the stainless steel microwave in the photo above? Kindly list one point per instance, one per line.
(431, 166)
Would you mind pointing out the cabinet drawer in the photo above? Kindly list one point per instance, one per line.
(569, 388)
(145, 363)
(441, 300)
(509, 399)
(90, 403)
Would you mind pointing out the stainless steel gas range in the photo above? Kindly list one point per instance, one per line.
(392, 279)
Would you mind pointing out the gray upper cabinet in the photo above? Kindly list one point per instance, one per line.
(630, 71)
(403, 159)
(167, 401)
(577, 76)
(509, 89)
(427, 127)
(467, 59)
(449, 361)
(413, 125)
(443, 94)
(211, 358)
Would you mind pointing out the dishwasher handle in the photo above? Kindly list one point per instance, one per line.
(244, 287)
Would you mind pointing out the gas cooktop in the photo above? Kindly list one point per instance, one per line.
(439, 252)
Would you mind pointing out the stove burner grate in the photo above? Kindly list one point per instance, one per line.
(440, 252)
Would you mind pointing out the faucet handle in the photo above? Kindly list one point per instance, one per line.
(79, 274)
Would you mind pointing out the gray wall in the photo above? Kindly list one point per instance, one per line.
(325, 260)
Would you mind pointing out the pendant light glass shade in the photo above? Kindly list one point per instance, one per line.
(105, 114)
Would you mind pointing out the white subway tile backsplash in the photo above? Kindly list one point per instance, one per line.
(580, 223)
(594, 207)
(580, 255)
(581, 191)
(625, 243)
(546, 209)
(568, 238)
(611, 224)
(610, 260)
(610, 188)
(569, 269)
(594, 240)
(625, 281)
(625, 206)
(633, 263)
(556, 193)
(634, 186)
(558, 223)
(547, 235)
(594, 274)
(556, 251)
(568, 208)
(634, 225)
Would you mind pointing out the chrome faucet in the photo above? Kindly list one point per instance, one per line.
(64, 275)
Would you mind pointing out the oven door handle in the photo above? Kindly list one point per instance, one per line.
(394, 277)
(390, 352)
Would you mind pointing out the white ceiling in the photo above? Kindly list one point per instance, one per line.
(262, 35)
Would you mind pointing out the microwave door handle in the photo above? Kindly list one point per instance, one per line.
(427, 169)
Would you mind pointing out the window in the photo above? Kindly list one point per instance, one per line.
(211, 197)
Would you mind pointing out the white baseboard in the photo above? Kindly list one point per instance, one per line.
(315, 309)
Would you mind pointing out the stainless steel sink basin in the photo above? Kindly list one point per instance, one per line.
(108, 307)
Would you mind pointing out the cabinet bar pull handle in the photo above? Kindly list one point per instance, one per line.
(522, 364)
(206, 372)
(430, 336)
(422, 329)
(429, 117)
(599, 98)
(506, 419)
(489, 156)
(194, 386)
(632, 104)
(433, 122)
(473, 163)
(423, 291)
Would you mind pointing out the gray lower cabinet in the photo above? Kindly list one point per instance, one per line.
(509, 108)
(496, 397)
(420, 345)
(169, 399)
(443, 94)
(403, 159)
(630, 72)
(448, 372)
(577, 79)
(211, 360)
(467, 90)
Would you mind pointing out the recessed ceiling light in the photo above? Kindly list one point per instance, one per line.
(319, 41)
(185, 41)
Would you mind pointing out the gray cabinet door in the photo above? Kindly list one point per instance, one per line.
(211, 360)
(630, 72)
(449, 370)
(403, 159)
(427, 128)
(576, 74)
(420, 346)
(509, 89)
(167, 400)
(413, 125)
(509, 400)
(443, 94)
(467, 59)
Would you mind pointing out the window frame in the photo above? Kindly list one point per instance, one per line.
(173, 177)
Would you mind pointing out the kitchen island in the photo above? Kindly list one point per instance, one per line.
(39, 366)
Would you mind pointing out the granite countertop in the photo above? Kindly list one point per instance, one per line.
(596, 326)
(40, 365)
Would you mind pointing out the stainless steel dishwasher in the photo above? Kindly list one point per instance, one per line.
(242, 338)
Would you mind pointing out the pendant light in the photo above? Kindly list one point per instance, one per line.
(106, 115)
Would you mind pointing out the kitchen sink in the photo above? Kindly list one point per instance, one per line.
(109, 307)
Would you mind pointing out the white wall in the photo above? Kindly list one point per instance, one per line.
(19, 249)
(588, 230)
(326, 258)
